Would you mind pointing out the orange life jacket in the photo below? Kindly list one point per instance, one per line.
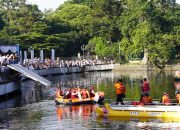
(120, 89)
(178, 98)
(58, 93)
(84, 94)
(166, 100)
(146, 100)
(145, 87)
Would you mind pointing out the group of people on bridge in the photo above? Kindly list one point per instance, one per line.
(36, 63)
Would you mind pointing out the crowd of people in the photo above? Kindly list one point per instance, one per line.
(78, 93)
(36, 63)
(145, 98)
(8, 59)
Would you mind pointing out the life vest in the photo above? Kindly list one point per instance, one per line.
(74, 95)
(91, 93)
(120, 89)
(84, 94)
(146, 100)
(178, 98)
(145, 87)
(166, 100)
(68, 96)
(59, 94)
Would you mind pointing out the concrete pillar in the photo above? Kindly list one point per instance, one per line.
(20, 57)
(41, 56)
(25, 55)
(32, 55)
(52, 54)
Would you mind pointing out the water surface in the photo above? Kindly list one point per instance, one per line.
(36, 109)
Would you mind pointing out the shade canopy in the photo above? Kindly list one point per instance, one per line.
(9, 48)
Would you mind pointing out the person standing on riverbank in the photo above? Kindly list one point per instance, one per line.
(120, 91)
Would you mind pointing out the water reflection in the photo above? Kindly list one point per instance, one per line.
(75, 111)
(9, 103)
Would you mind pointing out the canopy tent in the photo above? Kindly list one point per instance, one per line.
(9, 48)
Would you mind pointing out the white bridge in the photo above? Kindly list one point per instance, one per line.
(29, 73)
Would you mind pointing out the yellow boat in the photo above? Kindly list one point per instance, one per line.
(75, 101)
(147, 111)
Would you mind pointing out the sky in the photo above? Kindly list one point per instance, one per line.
(46, 4)
(53, 4)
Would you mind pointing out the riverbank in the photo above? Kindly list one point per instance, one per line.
(137, 67)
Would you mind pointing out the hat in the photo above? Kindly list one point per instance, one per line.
(164, 93)
(119, 80)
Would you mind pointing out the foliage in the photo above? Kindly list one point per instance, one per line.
(107, 28)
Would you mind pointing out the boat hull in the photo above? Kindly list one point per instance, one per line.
(141, 113)
(61, 101)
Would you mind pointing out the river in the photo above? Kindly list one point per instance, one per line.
(35, 108)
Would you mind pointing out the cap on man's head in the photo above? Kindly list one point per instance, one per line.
(119, 80)
(164, 93)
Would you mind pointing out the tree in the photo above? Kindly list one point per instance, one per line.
(145, 27)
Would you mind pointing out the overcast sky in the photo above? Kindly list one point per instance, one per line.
(53, 4)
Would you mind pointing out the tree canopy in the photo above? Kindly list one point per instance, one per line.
(107, 28)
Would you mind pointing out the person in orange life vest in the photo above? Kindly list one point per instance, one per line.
(85, 93)
(146, 99)
(145, 87)
(120, 91)
(59, 93)
(74, 94)
(166, 99)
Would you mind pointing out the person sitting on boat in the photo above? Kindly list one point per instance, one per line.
(91, 92)
(120, 91)
(74, 94)
(145, 87)
(79, 93)
(68, 94)
(85, 94)
(146, 100)
(166, 99)
(178, 98)
(59, 93)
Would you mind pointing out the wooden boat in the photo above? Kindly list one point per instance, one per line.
(147, 111)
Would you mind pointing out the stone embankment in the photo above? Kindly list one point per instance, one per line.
(136, 67)
(67, 70)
